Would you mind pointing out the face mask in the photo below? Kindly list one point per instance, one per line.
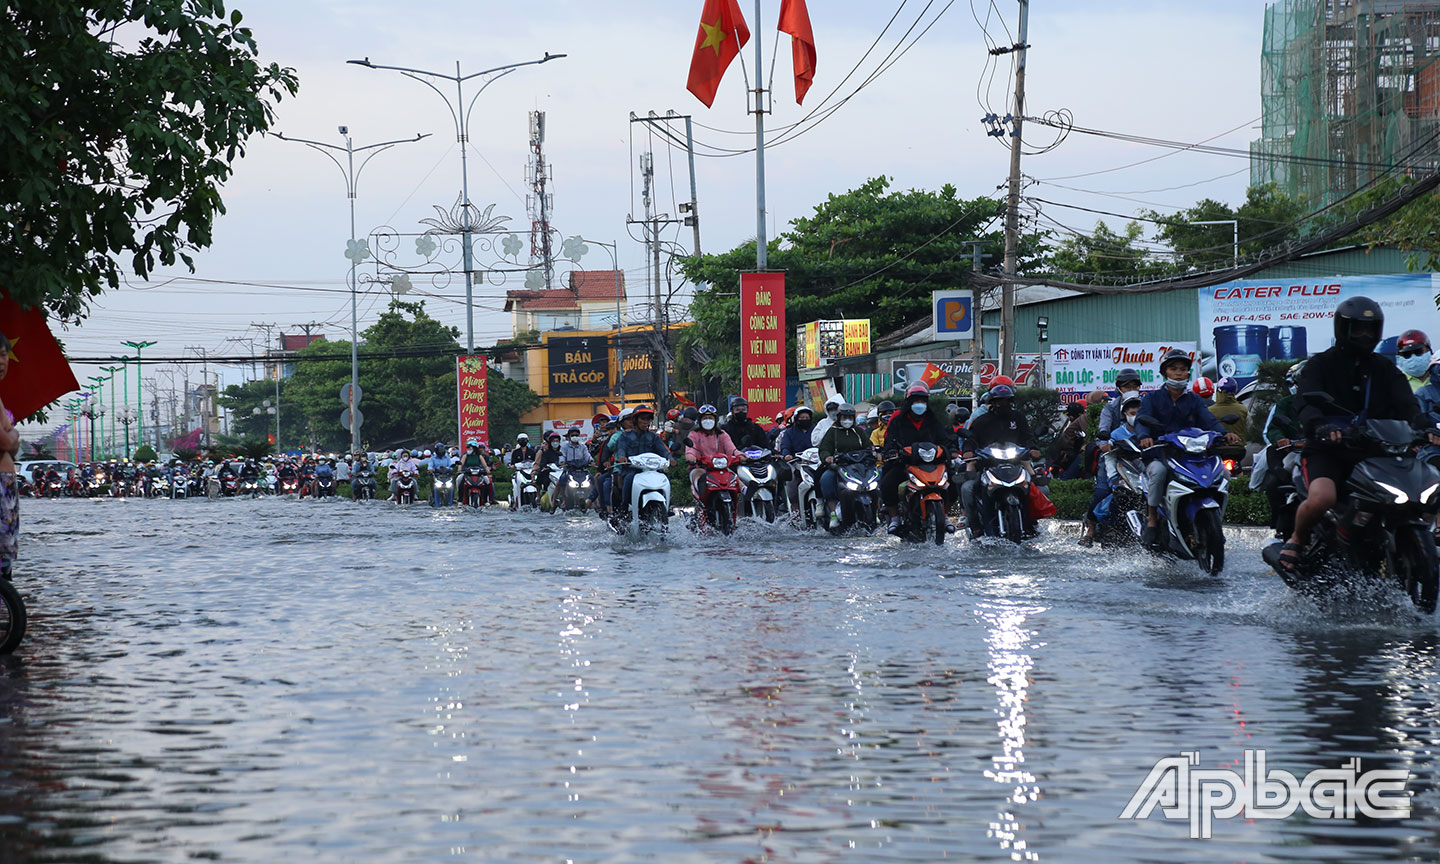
(573, 440)
(1130, 419)
(554, 444)
(707, 424)
(846, 424)
(738, 416)
(919, 409)
(1415, 367)
(1176, 385)
(803, 423)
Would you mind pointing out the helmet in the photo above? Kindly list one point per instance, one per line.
(1175, 355)
(918, 390)
(952, 409)
(522, 437)
(690, 413)
(1127, 376)
(599, 420)
(427, 454)
(624, 415)
(472, 443)
(1227, 385)
(1412, 342)
(1203, 387)
(1005, 380)
(801, 409)
(1000, 391)
(415, 453)
(644, 409)
(886, 407)
(707, 408)
(1128, 399)
(1096, 397)
(737, 403)
(1359, 322)
(844, 409)
(439, 445)
(552, 434)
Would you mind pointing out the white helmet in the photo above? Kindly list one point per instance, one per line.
(522, 437)
(427, 454)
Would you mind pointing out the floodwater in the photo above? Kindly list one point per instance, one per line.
(330, 681)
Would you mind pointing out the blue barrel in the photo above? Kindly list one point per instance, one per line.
(1239, 351)
(1287, 343)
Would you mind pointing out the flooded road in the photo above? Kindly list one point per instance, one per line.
(271, 680)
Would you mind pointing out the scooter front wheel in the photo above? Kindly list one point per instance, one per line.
(1209, 541)
(937, 522)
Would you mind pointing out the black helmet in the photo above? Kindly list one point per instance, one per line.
(1175, 355)
(1127, 376)
(886, 407)
(1359, 323)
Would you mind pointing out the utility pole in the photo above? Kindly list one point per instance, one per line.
(1012, 210)
(651, 225)
(760, 243)
(977, 339)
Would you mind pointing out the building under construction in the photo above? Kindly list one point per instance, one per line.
(1348, 89)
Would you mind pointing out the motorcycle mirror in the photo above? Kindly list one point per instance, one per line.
(1149, 420)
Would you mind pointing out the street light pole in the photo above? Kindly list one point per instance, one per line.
(110, 448)
(352, 177)
(614, 250)
(460, 113)
(139, 392)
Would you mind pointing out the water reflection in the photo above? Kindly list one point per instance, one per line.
(1009, 643)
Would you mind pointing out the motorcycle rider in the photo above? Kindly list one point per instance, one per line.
(343, 469)
(744, 432)
(913, 424)
(1001, 424)
(475, 458)
(287, 473)
(1127, 381)
(1363, 385)
(707, 442)
(841, 438)
(792, 442)
(1173, 407)
(640, 439)
(250, 472)
(1071, 456)
(522, 451)
(1271, 472)
(440, 460)
(404, 464)
(548, 464)
(624, 422)
(1412, 356)
(1226, 403)
(573, 456)
(883, 412)
(323, 471)
(1429, 395)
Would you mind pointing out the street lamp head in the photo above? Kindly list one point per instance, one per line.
(549, 57)
(344, 130)
(366, 63)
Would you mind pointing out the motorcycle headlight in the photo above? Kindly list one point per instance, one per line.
(574, 485)
(874, 484)
(852, 485)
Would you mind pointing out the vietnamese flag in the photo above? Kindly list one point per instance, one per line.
(722, 34)
(932, 375)
(38, 372)
(795, 20)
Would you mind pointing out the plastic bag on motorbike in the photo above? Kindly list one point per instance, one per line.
(1040, 505)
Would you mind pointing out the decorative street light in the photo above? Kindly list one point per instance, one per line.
(139, 393)
(460, 113)
(127, 415)
(95, 409)
(356, 251)
(266, 408)
(110, 448)
(575, 249)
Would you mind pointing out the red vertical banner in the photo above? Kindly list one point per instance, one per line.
(762, 344)
(472, 398)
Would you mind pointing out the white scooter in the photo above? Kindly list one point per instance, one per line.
(809, 467)
(649, 497)
(523, 491)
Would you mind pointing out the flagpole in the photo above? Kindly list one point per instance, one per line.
(760, 243)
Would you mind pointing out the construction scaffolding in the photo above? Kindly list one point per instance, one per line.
(1348, 89)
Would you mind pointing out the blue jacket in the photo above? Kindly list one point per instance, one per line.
(794, 441)
(440, 462)
(633, 443)
(1428, 397)
(1175, 414)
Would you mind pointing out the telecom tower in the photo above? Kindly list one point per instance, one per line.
(538, 206)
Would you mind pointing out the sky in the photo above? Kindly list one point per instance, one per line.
(1177, 71)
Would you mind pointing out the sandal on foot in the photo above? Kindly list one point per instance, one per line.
(1291, 562)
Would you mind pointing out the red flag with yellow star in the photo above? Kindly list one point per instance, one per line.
(722, 34)
(932, 375)
(38, 372)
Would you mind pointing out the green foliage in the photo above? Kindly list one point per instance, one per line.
(1072, 499)
(866, 253)
(113, 149)
(508, 401)
(1266, 219)
(1271, 377)
(187, 454)
(145, 453)
(1041, 408)
(1104, 252)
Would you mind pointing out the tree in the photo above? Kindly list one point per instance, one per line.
(145, 453)
(118, 124)
(866, 253)
(1267, 219)
(508, 400)
(1105, 253)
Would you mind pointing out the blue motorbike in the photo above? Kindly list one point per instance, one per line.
(1192, 514)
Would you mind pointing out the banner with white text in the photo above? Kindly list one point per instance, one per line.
(472, 398)
(1077, 370)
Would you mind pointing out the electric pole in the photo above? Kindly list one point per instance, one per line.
(977, 339)
(1012, 209)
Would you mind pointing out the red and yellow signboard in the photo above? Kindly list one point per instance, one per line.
(762, 344)
(473, 398)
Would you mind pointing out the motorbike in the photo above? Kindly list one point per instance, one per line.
(178, 486)
(98, 483)
(442, 488)
(1193, 512)
(1002, 494)
(229, 485)
(523, 491)
(54, 486)
(759, 485)
(1382, 524)
(248, 486)
(12, 614)
(362, 484)
(405, 488)
(323, 486)
(571, 490)
(808, 464)
(290, 485)
(717, 494)
(922, 513)
(859, 483)
(474, 486)
(74, 488)
(649, 498)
